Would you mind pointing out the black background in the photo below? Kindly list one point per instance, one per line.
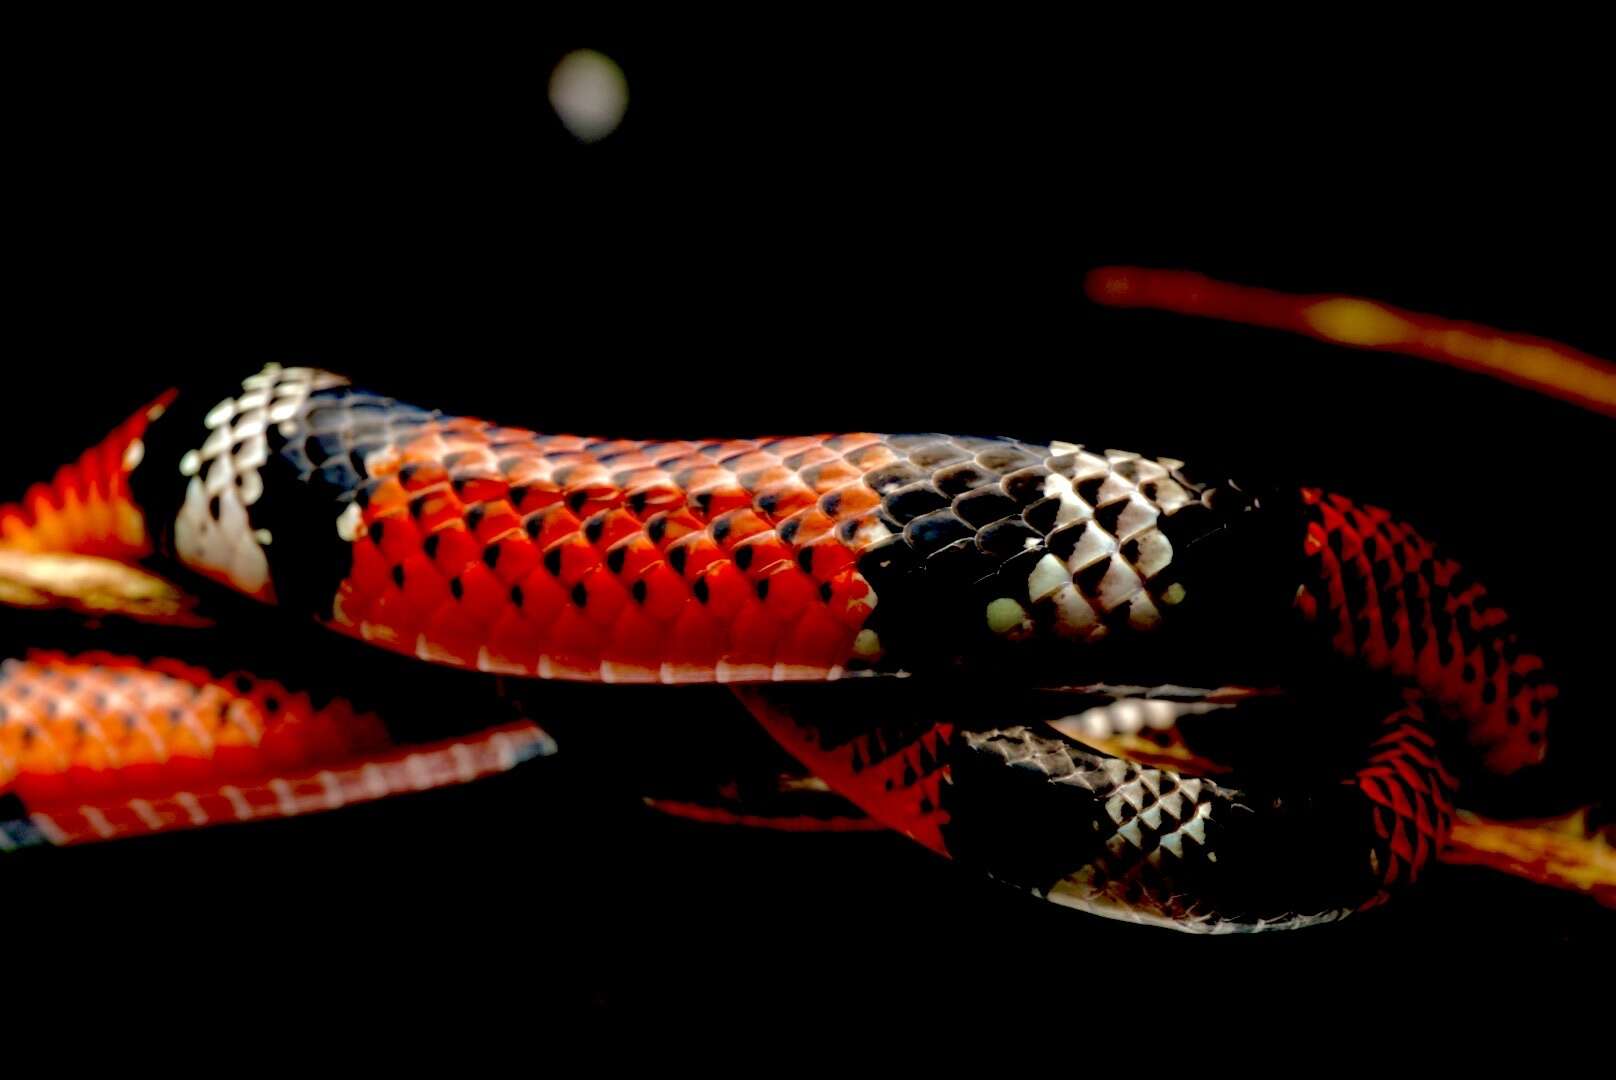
(788, 235)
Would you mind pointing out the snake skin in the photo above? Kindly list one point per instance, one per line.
(810, 559)
(98, 746)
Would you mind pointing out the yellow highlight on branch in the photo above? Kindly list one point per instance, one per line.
(1357, 322)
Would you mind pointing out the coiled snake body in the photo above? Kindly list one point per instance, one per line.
(924, 621)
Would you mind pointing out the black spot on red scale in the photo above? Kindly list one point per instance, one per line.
(638, 590)
(552, 560)
(516, 595)
(805, 559)
(456, 589)
(615, 558)
(700, 590)
(430, 545)
(491, 555)
(580, 595)
(398, 574)
(475, 515)
(678, 555)
(743, 557)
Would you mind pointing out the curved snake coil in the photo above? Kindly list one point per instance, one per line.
(932, 586)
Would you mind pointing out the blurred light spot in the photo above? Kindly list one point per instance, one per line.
(589, 93)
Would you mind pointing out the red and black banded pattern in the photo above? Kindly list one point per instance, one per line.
(807, 559)
(1390, 600)
(736, 561)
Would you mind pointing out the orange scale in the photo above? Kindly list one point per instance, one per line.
(479, 488)
(482, 594)
(593, 498)
(493, 520)
(780, 501)
(454, 636)
(573, 644)
(582, 471)
(603, 596)
(386, 498)
(753, 636)
(698, 553)
(190, 761)
(830, 475)
(664, 594)
(726, 589)
(529, 497)
(397, 537)
(616, 525)
(817, 641)
(797, 444)
(515, 641)
(424, 588)
(852, 440)
(506, 436)
(578, 558)
(737, 525)
(540, 597)
(719, 499)
(730, 448)
(453, 548)
(761, 553)
(392, 621)
(675, 524)
(141, 757)
(756, 472)
(654, 497)
(751, 461)
(854, 500)
(829, 557)
(554, 524)
(635, 646)
(435, 507)
(633, 556)
(615, 447)
(694, 467)
(851, 599)
(788, 593)
(514, 557)
(416, 476)
(808, 525)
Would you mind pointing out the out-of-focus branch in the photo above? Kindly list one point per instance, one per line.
(92, 586)
(1564, 853)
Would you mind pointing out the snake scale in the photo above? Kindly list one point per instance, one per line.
(910, 616)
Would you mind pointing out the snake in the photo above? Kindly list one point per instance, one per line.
(929, 624)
